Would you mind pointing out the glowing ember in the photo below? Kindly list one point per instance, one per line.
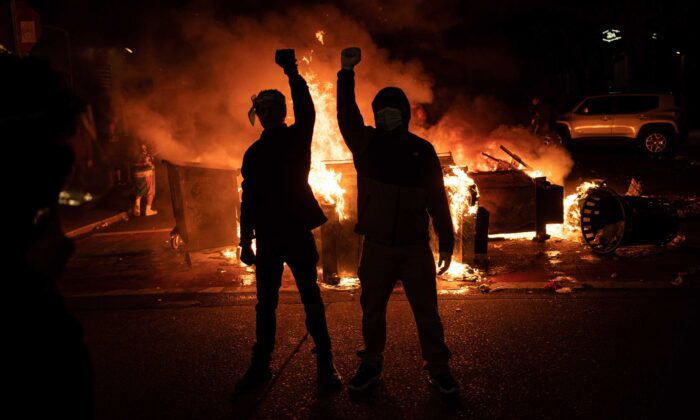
(461, 291)
(319, 36)
(535, 174)
(345, 283)
(517, 235)
(248, 280)
(462, 272)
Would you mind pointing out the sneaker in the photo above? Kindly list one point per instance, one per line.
(254, 377)
(366, 375)
(445, 382)
(328, 376)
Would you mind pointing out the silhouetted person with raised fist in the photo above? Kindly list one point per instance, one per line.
(399, 186)
(279, 210)
(47, 372)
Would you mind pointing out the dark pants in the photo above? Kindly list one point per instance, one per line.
(299, 252)
(380, 267)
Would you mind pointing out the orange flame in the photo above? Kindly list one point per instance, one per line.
(458, 187)
(319, 36)
(327, 143)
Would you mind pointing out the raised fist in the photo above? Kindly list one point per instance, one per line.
(285, 58)
(350, 57)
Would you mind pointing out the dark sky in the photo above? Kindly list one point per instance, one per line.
(495, 47)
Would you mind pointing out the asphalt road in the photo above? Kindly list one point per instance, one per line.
(169, 341)
(594, 354)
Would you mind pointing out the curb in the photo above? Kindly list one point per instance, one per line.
(97, 225)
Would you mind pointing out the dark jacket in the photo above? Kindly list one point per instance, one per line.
(399, 178)
(277, 198)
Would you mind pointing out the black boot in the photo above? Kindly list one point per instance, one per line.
(328, 377)
(257, 375)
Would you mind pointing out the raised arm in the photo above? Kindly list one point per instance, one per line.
(304, 112)
(350, 121)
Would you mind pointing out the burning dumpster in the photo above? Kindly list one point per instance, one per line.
(518, 202)
(609, 220)
(205, 204)
(341, 247)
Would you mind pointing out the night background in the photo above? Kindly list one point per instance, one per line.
(551, 309)
(508, 49)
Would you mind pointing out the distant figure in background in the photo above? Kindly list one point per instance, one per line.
(47, 370)
(145, 182)
(279, 210)
(399, 185)
(535, 116)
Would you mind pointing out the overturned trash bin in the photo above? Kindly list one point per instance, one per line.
(205, 204)
(609, 220)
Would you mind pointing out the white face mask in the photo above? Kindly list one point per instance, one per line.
(388, 118)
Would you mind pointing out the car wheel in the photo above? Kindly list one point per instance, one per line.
(657, 142)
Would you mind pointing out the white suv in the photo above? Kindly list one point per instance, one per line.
(655, 121)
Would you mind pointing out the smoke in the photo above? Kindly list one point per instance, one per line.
(195, 109)
(473, 126)
(190, 91)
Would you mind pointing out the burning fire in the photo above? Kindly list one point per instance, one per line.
(327, 144)
(535, 174)
(461, 192)
(462, 272)
(570, 229)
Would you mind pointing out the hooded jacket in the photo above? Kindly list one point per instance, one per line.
(277, 199)
(399, 179)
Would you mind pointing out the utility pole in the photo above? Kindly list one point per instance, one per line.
(15, 31)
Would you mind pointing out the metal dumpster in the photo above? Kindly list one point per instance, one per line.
(205, 204)
(340, 246)
(518, 202)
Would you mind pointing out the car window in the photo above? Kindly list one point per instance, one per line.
(636, 104)
(595, 106)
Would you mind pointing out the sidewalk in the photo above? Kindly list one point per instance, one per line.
(133, 257)
(129, 260)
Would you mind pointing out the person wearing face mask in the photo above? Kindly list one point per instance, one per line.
(279, 210)
(399, 187)
(47, 366)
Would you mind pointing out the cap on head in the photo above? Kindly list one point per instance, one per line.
(272, 95)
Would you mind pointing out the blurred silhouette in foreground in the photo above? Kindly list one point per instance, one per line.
(49, 374)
